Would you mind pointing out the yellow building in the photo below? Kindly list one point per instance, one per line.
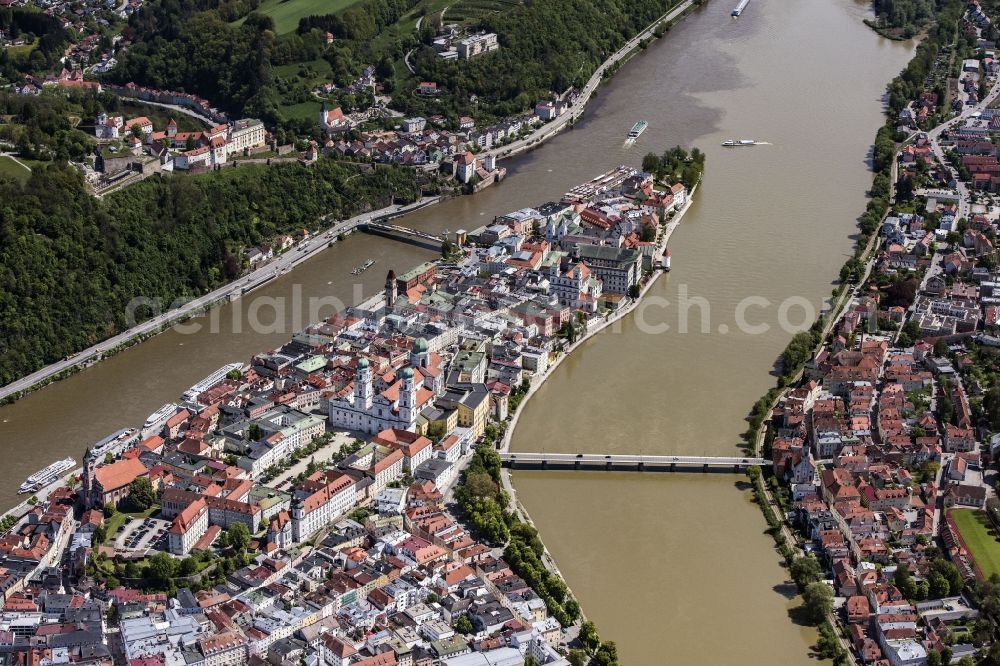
(472, 402)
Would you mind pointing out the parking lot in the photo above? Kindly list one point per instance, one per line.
(143, 534)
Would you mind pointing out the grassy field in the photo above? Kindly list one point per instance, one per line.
(286, 13)
(308, 110)
(984, 547)
(22, 51)
(473, 11)
(312, 73)
(8, 167)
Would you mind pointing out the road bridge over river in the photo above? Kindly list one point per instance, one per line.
(403, 234)
(626, 462)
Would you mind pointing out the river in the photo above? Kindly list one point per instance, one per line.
(674, 568)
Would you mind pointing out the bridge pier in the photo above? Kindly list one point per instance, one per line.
(641, 466)
(545, 464)
(704, 468)
(607, 465)
(576, 464)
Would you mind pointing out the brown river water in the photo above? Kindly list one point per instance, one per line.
(674, 568)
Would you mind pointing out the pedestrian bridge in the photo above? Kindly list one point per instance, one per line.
(625, 462)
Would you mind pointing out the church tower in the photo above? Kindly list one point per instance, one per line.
(408, 397)
(390, 289)
(363, 385)
(420, 355)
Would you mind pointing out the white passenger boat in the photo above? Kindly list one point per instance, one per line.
(46, 476)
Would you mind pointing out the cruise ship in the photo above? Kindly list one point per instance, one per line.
(637, 129)
(44, 477)
(191, 395)
(116, 443)
(158, 418)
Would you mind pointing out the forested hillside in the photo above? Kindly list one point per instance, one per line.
(180, 47)
(26, 23)
(545, 45)
(70, 263)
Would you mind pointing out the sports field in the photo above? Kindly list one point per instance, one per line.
(976, 532)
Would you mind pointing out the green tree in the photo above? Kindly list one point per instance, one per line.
(606, 655)
(481, 485)
(796, 353)
(187, 567)
(589, 637)
(160, 569)
(817, 600)
(239, 537)
(805, 570)
(463, 625)
(141, 495)
(951, 572)
(938, 586)
(904, 581)
(991, 405)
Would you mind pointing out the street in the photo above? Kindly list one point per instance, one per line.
(934, 135)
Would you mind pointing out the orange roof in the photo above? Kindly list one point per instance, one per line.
(182, 523)
(119, 474)
(395, 456)
(152, 443)
(326, 493)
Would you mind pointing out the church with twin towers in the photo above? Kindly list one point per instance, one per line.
(405, 392)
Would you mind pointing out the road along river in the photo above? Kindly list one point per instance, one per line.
(675, 568)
